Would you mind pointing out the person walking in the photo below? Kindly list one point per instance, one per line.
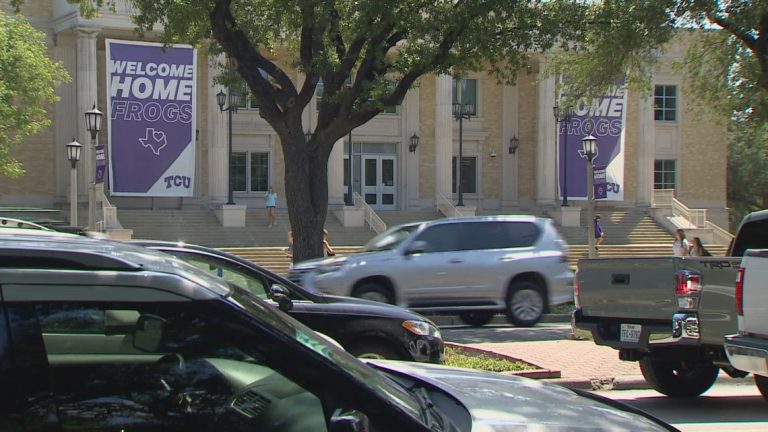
(327, 246)
(599, 234)
(289, 250)
(271, 197)
(698, 249)
(680, 247)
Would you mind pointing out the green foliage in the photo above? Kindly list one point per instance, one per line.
(458, 357)
(28, 79)
(747, 170)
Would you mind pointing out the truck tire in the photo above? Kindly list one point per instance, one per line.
(373, 291)
(762, 384)
(678, 379)
(525, 304)
(476, 318)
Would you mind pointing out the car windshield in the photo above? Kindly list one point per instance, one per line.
(358, 371)
(389, 239)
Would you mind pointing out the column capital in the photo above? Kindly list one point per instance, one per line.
(89, 32)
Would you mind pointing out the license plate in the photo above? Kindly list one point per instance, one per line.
(630, 332)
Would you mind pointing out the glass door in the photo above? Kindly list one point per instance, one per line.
(379, 173)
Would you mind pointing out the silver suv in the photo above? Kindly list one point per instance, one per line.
(473, 266)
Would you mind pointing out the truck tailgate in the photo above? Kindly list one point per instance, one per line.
(628, 288)
(755, 300)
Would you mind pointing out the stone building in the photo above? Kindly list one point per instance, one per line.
(665, 146)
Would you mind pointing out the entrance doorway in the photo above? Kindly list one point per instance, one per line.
(379, 188)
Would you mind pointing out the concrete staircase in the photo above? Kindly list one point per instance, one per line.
(621, 227)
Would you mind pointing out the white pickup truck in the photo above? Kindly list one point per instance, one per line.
(748, 349)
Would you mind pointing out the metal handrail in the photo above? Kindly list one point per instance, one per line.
(370, 216)
(698, 217)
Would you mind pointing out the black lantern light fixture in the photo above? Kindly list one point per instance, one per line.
(307, 136)
(414, 143)
(513, 144)
(234, 102)
(93, 121)
(74, 149)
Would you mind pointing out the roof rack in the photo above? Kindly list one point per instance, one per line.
(6, 222)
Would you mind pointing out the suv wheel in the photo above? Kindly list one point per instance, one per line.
(525, 304)
(373, 291)
(476, 318)
(374, 350)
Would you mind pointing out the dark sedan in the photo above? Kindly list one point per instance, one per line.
(364, 328)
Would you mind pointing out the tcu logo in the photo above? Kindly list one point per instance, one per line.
(613, 187)
(177, 181)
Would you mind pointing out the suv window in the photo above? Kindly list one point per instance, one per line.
(230, 272)
(441, 237)
(497, 235)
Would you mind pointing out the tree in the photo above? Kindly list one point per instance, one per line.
(28, 79)
(380, 48)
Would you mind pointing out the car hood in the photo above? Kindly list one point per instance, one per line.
(500, 402)
(352, 305)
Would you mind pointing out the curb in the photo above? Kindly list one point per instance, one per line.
(451, 320)
(538, 373)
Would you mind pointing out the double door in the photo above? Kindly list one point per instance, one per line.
(378, 187)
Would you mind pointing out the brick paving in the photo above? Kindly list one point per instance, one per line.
(581, 363)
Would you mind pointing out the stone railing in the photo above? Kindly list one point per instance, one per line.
(446, 207)
(371, 218)
(694, 221)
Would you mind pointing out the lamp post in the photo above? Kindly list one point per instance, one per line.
(348, 199)
(461, 111)
(589, 148)
(93, 119)
(234, 101)
(73, 156)
(564, 116)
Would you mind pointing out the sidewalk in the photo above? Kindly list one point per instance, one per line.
(580, 363)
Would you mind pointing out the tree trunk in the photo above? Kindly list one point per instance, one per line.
(306, 192)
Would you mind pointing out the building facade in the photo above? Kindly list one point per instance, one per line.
(665, 144)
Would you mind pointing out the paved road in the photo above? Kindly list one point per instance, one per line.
(728, 406)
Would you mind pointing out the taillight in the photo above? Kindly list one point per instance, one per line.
(687, 289)
(740, 292)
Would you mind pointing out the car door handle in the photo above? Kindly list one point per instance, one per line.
(456, 261)
(619, 279)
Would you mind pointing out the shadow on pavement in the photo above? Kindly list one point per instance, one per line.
(499, 334)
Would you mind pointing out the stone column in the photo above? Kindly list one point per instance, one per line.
(217, 142)
(546, 149)
(509, 187)
(443, 136)
(336, 174)
(646, 149)
(87, 97)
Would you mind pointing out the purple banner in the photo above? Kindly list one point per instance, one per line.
(605, 119)
(599, 185)
(101, 164)
(152, 107)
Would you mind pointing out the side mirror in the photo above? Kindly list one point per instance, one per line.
(149, 333)
(349, 421)
(416, 247)
(281, 296)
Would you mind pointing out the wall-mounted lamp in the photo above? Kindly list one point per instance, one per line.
(513, 144)
(414, 143)
(308, 136)
(493, 153)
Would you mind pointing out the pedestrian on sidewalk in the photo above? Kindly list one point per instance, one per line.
(698, 249)
(271, 197)
(327, 246)
(680, 247)
(599, 234)
(289, 250)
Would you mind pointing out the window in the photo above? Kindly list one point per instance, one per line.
(664, 174)
(230, 272)
(237, 171)
(441, 238)
(465, 92)
(665, 103)
(497, 235)
(250, 171)
(468, 174)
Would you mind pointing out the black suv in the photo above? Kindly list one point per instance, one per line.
(364, 328)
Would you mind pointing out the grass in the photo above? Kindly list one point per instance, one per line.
(566, 308)
(458, 357)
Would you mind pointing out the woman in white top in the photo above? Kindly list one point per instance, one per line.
(680, 247)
